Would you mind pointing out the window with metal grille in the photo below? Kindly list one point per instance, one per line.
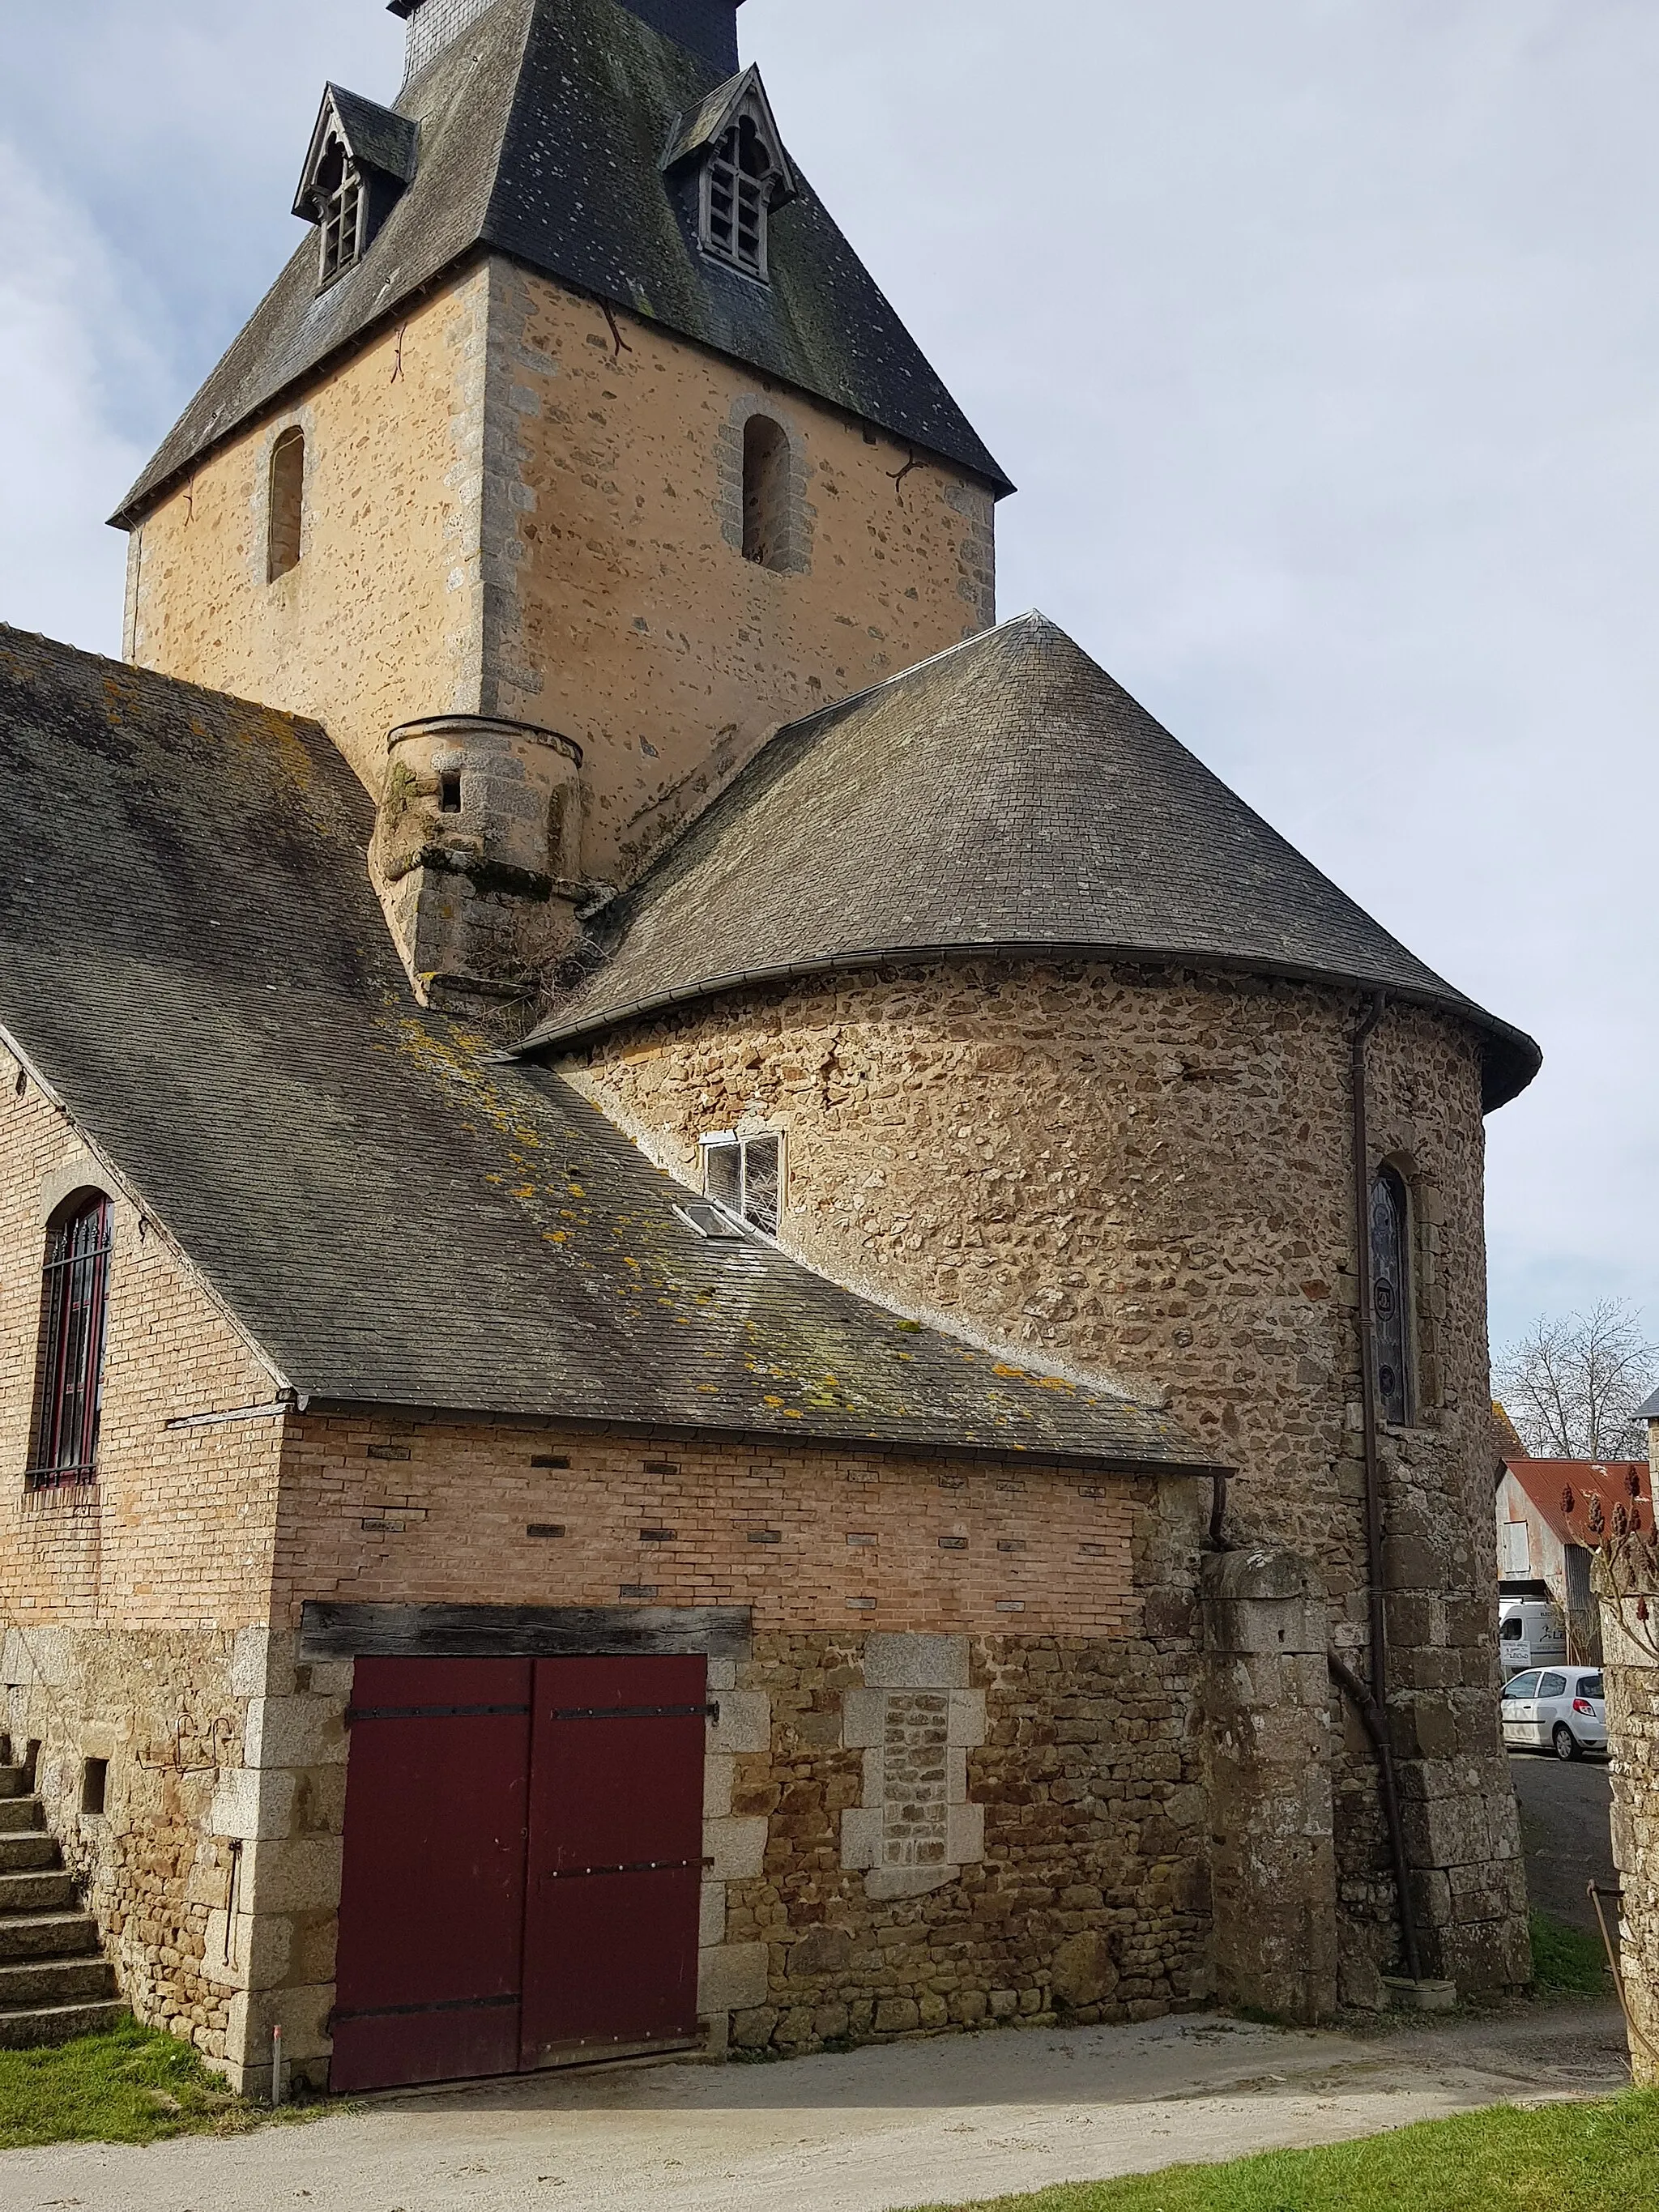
(744, 1175)
(75, 1306)
(737, 191)
(1391, 1294)
(287, 498)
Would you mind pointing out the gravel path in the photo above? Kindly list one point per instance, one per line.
(932, 2121)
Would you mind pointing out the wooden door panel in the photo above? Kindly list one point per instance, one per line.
(616, 1855)
(432, 1891)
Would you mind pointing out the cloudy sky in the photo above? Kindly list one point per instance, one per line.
(1322, 337)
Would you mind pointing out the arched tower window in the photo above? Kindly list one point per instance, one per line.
(739, 179)
(765, 493)
(287, 498)
(75, 1307)
(1391, 1294)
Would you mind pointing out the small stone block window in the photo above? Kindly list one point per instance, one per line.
(744, 1175)
(737, 191)
(94, 1787)
(449, 794)
(765, 493)
(288, 493)
(74, 1309)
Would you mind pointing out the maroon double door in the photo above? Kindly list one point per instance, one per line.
(523, 1863)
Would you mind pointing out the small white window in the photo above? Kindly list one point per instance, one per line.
(744, 1175)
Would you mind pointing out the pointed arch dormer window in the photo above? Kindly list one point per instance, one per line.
(742, 174)
(361, 162)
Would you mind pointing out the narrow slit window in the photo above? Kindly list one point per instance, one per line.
(765, 493)
(95, 1787)
(288, 498)
(744, 1175)
(1391, 1295)
(449, 794)
(74, 1309)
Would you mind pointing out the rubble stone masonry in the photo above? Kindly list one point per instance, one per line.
(1146, 1178)
(517, 506)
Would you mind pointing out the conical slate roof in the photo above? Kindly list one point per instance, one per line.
(1006, 797)
(540, 134)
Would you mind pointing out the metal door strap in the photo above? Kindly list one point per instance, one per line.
(429, 1712)
(638, 1713)
(405, 2012)
(1615, 1897)
(640, 1866)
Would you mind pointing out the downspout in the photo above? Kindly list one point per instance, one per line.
(1375, 1719)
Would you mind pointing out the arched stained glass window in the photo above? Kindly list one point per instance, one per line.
(1391, 1295)
(75, 1305)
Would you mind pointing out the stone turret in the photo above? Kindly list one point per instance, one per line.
(476, 850)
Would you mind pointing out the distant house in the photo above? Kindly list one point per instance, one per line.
(1552, 1515)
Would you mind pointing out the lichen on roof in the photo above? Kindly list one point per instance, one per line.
(394, 1213)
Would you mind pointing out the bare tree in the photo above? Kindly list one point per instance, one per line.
(1573, 1386)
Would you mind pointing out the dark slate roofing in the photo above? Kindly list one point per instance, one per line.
(1006, 797)
(542, 132)
(378, 136)
(192, 958)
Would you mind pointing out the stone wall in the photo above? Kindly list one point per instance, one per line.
(1145, 1178)
(517, 506)
(382, 621)
(1633, 1726)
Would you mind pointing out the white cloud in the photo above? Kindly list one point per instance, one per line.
(1320, 335)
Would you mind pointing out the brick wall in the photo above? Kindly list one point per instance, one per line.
(429, 1512)
(1146, 1180)
(120, 1600)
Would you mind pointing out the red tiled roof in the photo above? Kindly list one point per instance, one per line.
(1563, 1490)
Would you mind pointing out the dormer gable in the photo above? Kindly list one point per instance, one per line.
(733, 147)
(361, 159)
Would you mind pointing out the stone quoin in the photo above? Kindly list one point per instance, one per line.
(668, 1192)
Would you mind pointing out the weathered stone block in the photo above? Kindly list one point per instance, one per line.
(744, 1722)
(294, 1732)
(732, 1978)
(737, 1846)
(915, 1662)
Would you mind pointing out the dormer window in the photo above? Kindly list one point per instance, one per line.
(742, 174)
(362, 161)
(736, 186)
(340, 192)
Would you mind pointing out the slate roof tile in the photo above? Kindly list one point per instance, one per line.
(192, 958)
(1006, 797)
(542, 130)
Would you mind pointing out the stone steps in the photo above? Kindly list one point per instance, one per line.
(55, 1983)
(27, 2031)
(29, 1854)
(46, 1936)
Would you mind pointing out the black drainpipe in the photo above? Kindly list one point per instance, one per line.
(1375, 1719)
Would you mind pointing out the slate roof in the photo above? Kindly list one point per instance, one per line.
(1007, 797)
(192, 958)
(378, 136)
(542, 129)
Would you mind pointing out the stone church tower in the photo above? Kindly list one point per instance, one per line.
(658, 1149)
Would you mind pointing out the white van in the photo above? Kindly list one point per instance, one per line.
(1531, 1632)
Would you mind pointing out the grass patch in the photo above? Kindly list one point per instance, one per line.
(130, 2085)
(1566, 1961)
(1601, 2157)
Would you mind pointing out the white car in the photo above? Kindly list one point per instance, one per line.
(1558, 1709)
